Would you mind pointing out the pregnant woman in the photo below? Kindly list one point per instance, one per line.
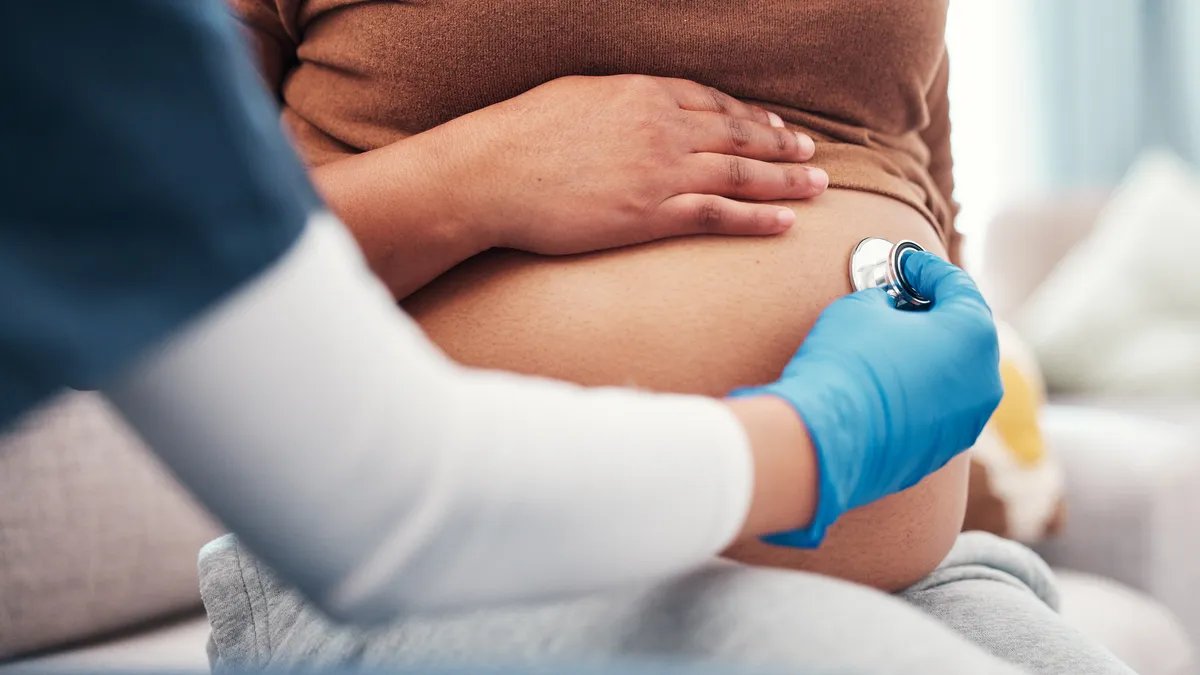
(451, 137)
(361, 81)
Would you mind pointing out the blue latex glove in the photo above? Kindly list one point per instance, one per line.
(890, 396)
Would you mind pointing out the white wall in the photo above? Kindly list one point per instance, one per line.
(993, 109)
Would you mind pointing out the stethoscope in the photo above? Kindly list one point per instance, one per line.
(878, 263)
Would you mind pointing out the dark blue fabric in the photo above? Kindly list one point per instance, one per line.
(143, 176)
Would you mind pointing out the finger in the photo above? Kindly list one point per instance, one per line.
(939, 281)
(709, 214)
(692, 96)
(874, 296)
(741, 178)
(736, 136)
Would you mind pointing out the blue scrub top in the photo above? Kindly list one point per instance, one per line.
(143, 176)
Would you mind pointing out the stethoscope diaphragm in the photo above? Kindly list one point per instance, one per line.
(878, 263)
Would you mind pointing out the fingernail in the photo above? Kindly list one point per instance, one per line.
(776, 120)
(807, 146)
(785, 217)
(819, 178)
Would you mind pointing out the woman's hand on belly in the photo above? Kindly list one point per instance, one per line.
(588, 163)
(578, 164)
(703, 315)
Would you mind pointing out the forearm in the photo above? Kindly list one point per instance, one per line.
(468, 486)
(396, 201)
(785, 467)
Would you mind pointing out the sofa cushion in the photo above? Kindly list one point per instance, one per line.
(1118, 316)
(1133, 492)
(1140, 631)
(94, 535)
(176, 646)
(1025, 243)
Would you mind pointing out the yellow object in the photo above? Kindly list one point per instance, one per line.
(1016, 483)
(1016, 420)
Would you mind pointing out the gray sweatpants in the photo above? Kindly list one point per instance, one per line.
(988, 607)
(1002, 597)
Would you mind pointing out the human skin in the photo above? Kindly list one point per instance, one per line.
(377, 197)
(628, 159)
(703, 315)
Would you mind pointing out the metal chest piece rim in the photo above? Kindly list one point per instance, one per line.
(878, 263)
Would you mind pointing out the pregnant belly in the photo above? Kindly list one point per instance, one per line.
(702, 315)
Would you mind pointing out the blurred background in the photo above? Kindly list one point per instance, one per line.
(1076, 141)
(1076, 134)
(1049, 97)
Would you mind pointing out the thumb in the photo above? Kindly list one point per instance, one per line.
(939, 281)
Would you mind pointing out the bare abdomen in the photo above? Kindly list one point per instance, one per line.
(702, 315)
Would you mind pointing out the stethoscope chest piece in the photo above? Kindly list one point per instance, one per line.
(878, 263)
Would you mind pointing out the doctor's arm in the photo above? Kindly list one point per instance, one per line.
(160, 243)
(316, 420)
(157, 198)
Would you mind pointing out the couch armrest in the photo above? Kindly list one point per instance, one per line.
(1133, 501)
(1024, 243)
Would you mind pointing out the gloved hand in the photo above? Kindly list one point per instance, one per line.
(890, 396)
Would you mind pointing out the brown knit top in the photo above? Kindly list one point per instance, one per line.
(867, 78)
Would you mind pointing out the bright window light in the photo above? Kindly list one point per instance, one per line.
(992, 110)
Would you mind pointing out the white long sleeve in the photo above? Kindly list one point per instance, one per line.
(316, 420)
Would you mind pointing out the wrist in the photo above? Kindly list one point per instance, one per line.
(399, 203)
(836, 411)
(454, 170)
(786, 471)
(445, 189)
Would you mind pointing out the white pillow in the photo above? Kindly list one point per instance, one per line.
(1120, 314)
